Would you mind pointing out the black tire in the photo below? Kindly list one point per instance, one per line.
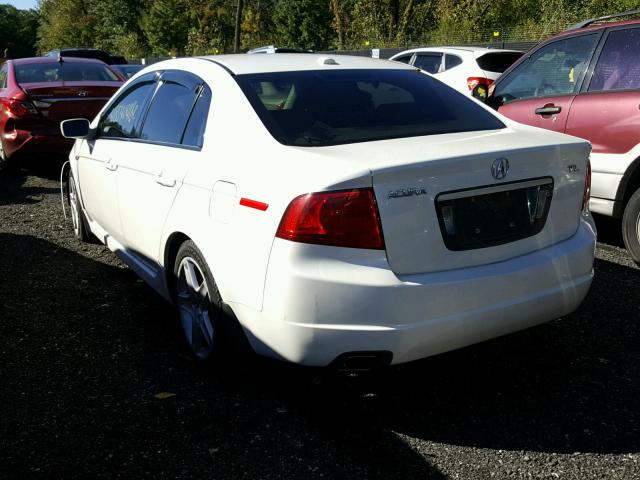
(80, 228)
(8, 165)
(631, 226)
(200, 316)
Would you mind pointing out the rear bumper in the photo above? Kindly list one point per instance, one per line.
(27, 142)
(321, 302)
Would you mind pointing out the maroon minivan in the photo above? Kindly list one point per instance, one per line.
(36, 94)
(586, 82)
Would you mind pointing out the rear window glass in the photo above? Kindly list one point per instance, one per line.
(498, 62)
(67, 72)
(320, 108)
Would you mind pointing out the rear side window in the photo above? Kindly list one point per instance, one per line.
(194, 133)
(171, 108)
(451, 61)
(555, 69)
(123, 117)
(403, 59)
(429, 62)
(319, 108)
(497, 62)
(64, 72)
(3, 76)
(618, 67)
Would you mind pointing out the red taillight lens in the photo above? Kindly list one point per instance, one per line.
(473, 82)
(587, 187)
(347, 218)
(18, 108)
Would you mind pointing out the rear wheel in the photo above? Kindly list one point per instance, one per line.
(631, 226)
(199, 303)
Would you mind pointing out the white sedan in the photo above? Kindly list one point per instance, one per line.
(462, 68)
(341, 210)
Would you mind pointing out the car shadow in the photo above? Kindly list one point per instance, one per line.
(567, 386)
(18, 188)
(96, 381)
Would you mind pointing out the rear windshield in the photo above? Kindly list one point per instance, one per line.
(320, 108)
(67, 72)
(498, 61)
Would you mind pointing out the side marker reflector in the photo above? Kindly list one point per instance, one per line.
(247, 202)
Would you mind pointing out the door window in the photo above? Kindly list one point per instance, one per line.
(618, 67)
(123, 117)
(555, 69)
(3, 76)
(171, 107)
(429, 62)
(451, 61)
(194, 133)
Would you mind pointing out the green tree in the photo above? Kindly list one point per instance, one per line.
(18, 31)
(65, 23)
(303, 23)
(166, 27)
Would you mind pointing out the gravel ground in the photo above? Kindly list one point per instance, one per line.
(86, 348)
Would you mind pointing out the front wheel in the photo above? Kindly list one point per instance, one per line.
(631, 226)
(80, 228)
(199, 303)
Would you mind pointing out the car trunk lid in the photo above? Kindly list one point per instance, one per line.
(441, 207)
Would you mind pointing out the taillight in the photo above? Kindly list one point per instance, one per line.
(347, 218)
(587, 187)
(473, 82)
(18, 108)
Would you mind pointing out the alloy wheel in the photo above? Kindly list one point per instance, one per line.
(194, 306)
(73, 202)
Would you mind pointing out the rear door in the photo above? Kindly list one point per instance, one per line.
(152, 168)
(541, 89)
(607, 113)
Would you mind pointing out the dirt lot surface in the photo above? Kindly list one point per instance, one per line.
(86, 347)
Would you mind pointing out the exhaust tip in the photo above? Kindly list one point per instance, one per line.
(362, 361)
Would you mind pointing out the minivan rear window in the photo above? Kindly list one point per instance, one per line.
(64, 72)
(498, 62)
(321, 108)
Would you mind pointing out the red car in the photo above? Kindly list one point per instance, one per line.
(586, 82)
(36, 94)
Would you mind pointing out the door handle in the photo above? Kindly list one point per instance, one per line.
(548, 110)
(165, 182)
(110, 165)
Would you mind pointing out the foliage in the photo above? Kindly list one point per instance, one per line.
(195, 27)
(17, 31)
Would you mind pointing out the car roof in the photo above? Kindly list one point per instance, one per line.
(286, 62)
(32, 60)
(592, 27)
(475, 51)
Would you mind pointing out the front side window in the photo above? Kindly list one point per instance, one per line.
(123, 117)
(171, 107)
(429, 62)
(618, 67)
(320, 108)
(64, 72)
(555, 69)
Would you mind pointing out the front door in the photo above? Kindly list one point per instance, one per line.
(541, 90)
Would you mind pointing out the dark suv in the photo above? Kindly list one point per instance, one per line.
(586, 82)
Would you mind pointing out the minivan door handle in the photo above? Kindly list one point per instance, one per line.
(165, 182)
(548, 110)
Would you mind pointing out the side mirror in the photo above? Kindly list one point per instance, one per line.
(480, 92)
(77, 128)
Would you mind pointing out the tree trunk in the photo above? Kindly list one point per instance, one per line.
(338, 20)
(236, 40)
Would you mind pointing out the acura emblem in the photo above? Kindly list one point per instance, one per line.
(83, 93)
(499, 168)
